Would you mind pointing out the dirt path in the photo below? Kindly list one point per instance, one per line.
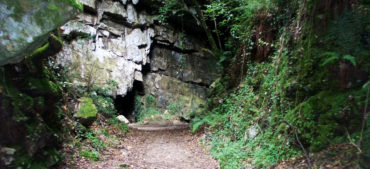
(168, 149)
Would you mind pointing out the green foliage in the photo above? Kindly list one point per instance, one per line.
(94, 144)
(150, 101)
(75, 4)
(31, 97)
(47, 159)
(294, 90)
(332, 57)
(196, 123)
(148, 112)
(124, 127)
(237, 16)
(150, 108)
(175, 108)
(90, 154)
(170, 8)
(229, 153)
(138, 108)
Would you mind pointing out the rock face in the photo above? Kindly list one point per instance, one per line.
(115, 41)
(25, 25)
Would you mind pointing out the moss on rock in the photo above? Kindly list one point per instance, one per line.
(87, 111)
(28, 24)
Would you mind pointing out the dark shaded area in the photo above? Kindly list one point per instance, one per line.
(125, 105)
(30, 114)
(146, 69)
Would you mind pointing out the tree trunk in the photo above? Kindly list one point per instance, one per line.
(211, 40)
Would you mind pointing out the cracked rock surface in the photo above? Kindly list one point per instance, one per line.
(112, 40)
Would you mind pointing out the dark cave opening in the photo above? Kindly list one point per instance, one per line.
(125, 105)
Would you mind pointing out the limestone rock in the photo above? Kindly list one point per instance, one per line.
(164, 34)
(77, 27)
(186, 67)
(87, 18)
(87, 111)
(25, 25)
(113, 9)
(123, 119)
(86, 58)
(131, 14)
(123, 41)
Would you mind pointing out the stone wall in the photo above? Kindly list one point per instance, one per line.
(113, 40)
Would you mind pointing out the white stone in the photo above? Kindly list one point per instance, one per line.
(135, 2)
(252, 132)
(105, 33)
(7, 150)
(138, 76)
(123, 119)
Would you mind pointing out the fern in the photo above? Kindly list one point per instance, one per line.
(332, 57)
(196, 124)
(350, 58)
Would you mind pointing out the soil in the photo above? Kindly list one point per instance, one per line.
(157, 148)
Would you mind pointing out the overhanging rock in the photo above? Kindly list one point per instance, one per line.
(25, 25)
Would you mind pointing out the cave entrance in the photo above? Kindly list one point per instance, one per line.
(125, 105)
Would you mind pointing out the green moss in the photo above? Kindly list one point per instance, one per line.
(57, 38)
(87, 108)
(52, 7)
(40, 50)
(75, 4)
(48, 158)
(44, 85)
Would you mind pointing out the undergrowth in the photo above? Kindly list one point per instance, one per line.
(298, 100)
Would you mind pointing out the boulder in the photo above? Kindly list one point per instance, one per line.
(87, 111)
(123, 119)
(25, 25)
